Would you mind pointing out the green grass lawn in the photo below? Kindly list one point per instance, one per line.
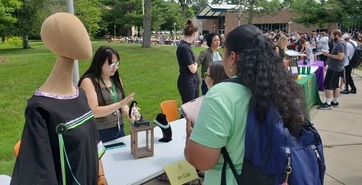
(151, 73)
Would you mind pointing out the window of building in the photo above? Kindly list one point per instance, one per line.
(272, 27)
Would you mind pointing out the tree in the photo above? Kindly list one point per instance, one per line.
(123, 14)
(184, 4)
(347, 12)
(197, 5)
(147, 25)
(7, 8)
(257, 8)
(313, 13)
(171, 14)
(29, 17)
(158, 14)
(89, 12)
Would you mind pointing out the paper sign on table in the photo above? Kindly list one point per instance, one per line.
(180, 172)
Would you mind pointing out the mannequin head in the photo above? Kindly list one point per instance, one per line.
(65, 35)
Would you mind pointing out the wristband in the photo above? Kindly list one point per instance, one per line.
(100, 176)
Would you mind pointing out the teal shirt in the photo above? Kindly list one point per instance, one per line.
(222, 122)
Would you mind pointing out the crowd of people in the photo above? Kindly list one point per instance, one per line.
(158, 39)
(258, 62)
(335, 49)
(223, 113)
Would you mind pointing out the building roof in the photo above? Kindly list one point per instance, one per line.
(214, 11)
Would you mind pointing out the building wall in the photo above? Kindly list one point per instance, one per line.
(208, 25)
(283, 17)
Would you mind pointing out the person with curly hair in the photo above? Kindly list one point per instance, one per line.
(223, 114)
(208, 56)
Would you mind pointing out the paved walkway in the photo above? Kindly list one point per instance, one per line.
(341, 132)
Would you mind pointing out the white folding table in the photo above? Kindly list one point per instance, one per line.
(121, 167)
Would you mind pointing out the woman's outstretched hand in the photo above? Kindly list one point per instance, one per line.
(127, 99)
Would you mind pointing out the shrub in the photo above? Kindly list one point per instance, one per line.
(12, 42)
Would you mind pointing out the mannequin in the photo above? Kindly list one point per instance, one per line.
(59, 124)
(162, 122)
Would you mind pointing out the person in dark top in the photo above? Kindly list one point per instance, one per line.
(334, 67)
(105, 93)
(187, 82)
(281, 46)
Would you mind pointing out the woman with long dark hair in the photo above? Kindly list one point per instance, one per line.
(105, 93)
(249, 56)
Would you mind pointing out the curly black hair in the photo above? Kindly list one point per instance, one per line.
(262, 70)
(209, 38)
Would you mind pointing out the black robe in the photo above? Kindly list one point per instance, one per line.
(38, 161)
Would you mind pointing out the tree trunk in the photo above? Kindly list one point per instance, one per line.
(147, 25)
(251, 12)
(183, 10)
(2, 38)
(26, 42)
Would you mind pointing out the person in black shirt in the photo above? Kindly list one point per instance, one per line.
(187, 82)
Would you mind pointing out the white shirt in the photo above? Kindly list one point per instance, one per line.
(323, 43)
(350, 51)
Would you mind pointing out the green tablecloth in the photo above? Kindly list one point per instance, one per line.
(310, 87)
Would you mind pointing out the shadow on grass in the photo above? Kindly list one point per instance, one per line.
(20, 51)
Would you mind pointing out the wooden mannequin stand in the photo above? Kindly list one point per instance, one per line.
(147, 150)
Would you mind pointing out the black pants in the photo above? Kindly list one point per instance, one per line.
(204, 88)
(188, 87)
(111, 133)
(331, 80)
(348, 80)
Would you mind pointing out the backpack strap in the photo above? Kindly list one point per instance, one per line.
(224, 152)
(227, 160)
(268, 146)
(254, 139)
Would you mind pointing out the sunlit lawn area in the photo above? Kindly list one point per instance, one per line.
(151, 73)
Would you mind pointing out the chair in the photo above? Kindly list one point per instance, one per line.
(17, 148)
(170, 109)
(5, 179)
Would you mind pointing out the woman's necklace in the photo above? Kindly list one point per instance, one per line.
(111, 91)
